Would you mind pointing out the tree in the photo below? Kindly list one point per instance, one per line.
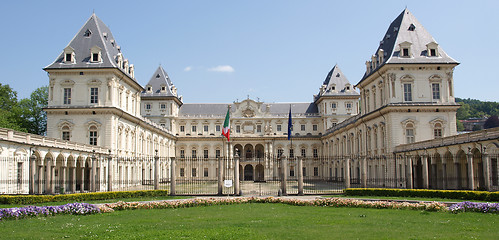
(8, 104)
(30, 111)
(491, 122)
(8, 97)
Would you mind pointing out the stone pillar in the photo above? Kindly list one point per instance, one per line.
(73, 181)
(444, 176)
(110, 173)
(82, 187)
(92, 174)
(48, 185)
(236, 175)
(300, 176)
(63, 179)
(156, 171)
(220, 176)
(486, 169)
(426, 181)
(32, 171)
(363, 175)
(173, 177)
(410, 177)
(284, 175)
(471, 179)
(40, 179)
(347, 172)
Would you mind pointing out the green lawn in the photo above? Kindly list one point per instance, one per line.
(101, 201)
(258, 221)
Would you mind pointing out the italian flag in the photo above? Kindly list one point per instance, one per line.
(226, 128)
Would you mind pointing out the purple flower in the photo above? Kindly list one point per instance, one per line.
(32, 211)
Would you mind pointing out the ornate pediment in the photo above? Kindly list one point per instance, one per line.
(248, 109)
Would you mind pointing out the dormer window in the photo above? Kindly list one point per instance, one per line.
(411, 27)
(149, 89)
(69, 55)
(87, 33)
(405, 49)
(163, 88)
(95, 54)
(432, 49)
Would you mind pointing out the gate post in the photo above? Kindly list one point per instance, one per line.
(300, 176)
(110, 172)
(32, 170)
(172, 176)
(156, 171)
(284, 177)
(220, 177)
(347, 172)
(236, 175)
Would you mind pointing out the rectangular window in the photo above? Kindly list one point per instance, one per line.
(291, 171)
(314, 127)
(182, 172)
(304, 171)
(217, 153)
(291, 153)
(93, 137)
(316, 171)
(302, 127)
(194, 172)
(94, 95)
(182, 153)
(333, 105)
(205, 128)
(435, 87)
(405, 52)
(95, 57)
(407, 92)
(217, 128)
(162, 106)
(205, 174)
(259, 128)
(20, 173)
(148, 106)
(349, 106)
(194, 128)
(194, 153)
(437, 133)
(316, 153)
(433, 52)
(65, 135)
(182, 128)
(205, 153)
(238, 128)
(279, 152)
(279, 128)
(409, 133)
(67, 95)
(68, 57)
(303, 152)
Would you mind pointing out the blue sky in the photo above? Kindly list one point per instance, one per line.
(222, 51)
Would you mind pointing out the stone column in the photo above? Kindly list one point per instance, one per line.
(300, 176)
(48, 185)
(73, 182)
(236, 175)
(410, 177)
(82, 187)
(32, 171)
(284, 176)
(347, 172)
(92, 174)
(110, 173)
(173, 177)
(220, 176)
(444, 176)
(486, 169)
(363, 175)
(63, 179)
(426, 181)
(471, 179)
(40, 179)
(156, 171)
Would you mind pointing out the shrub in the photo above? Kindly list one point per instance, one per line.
(79, 197)
(449, 194)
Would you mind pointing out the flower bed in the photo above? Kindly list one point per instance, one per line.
(325, 202)
(474, 207)
(33, 211)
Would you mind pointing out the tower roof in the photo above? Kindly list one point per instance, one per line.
(94, 33)
(406, 29)
(160, 84)
(336, 84)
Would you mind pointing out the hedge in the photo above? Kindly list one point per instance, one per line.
(450, 194)
(78, 197)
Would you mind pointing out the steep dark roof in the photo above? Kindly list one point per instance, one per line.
(160, 78)
(406, 28)
(93, 33)
(335, 78)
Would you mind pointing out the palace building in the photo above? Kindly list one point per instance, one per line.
(348, 131)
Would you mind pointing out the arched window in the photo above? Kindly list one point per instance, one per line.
(437, 130)
(409, 133)
(66, 133)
